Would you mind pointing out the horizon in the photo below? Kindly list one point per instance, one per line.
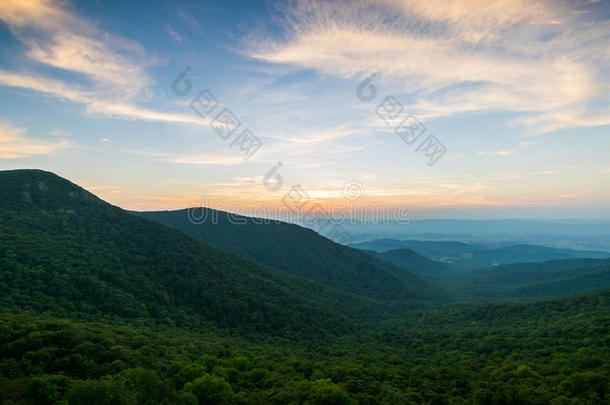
(442, 112)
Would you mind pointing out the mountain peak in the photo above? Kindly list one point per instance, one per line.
(42, 189)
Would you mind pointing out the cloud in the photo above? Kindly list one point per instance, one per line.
(125, 110)
(39, 14)
(41, 84)
(109, 74)
(501, 152)
(453, 56)
(173, 34)
(507, 152)
(13, 145)
(94, 105)
(189, 19)
(109, 70)
(213, 158)
(544, 172)
(561, 119)
(305, 136)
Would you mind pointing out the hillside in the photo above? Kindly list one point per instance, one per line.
(65, 251)
(298, 251)
(100, 306)
(468, 256)
(419, 264)
(534, 280)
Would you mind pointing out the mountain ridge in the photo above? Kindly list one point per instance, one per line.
(297, 250)
(64, 250)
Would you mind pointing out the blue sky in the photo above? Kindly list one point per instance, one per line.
(516, 92)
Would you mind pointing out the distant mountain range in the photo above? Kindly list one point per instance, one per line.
(578, 234)
(511, 281)
(464, 255)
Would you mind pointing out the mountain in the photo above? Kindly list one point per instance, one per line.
(534, 280)
(298, 251)
(464, 255)
(65, 251)
(419, 264)
(100, 306)
(523, 253)
(426, 248)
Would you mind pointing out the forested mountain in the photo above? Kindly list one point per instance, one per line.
(64, 251)
(419, 264)
(533, 280)
(468, 256)
(511, 281)
(523, 254)
(102, 307)
(299, 251)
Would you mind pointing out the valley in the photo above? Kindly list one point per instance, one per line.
(151, 308)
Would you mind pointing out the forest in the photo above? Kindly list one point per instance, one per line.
(102, 306)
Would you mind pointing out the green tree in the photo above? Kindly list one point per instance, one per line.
(210, 390)
(324, 392)
(106, 391)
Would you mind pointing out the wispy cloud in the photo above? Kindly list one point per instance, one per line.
(173, 34)
(14, 145)
(214, 157)
(189, 19)
(501, 152)
(94, 105)
(111, 72)
(454, 56)
(507, 152)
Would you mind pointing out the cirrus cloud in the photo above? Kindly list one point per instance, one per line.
(540, 59)
(110, 76)
(14, 145)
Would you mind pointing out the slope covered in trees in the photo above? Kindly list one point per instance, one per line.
(421, 265)
(100, 306)
(299, 251)
(548, 352)
(534, 280)
(64, 251)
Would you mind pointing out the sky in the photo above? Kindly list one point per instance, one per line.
(447, 109)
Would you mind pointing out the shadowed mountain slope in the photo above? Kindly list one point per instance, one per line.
(65, 251)
(298, 251)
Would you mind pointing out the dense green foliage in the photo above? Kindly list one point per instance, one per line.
(299, 251)
(511, 281)
(420, 265)
(100, 306)
(63, 251)
(547, 352)
(531, 280)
